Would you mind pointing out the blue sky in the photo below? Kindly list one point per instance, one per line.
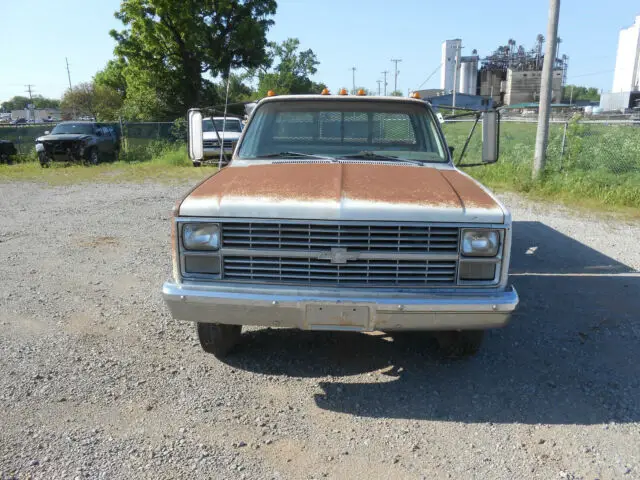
(37, 35)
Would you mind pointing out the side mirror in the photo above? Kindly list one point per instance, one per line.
(47, 132)
(194, 120)
(490, 136)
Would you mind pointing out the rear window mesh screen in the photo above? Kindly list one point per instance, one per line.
(344, 127)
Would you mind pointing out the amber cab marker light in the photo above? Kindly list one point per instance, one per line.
(343, 91)
(361, 92)
(271, 93)
(325, 91)
(416, 95)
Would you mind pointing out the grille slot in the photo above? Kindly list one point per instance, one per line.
(361, 238)
(214, 143)
(311, 271)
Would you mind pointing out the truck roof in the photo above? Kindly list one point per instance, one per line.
(344, 98)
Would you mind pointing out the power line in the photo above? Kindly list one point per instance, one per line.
(395, 83)
(590, 74)
(429, 77)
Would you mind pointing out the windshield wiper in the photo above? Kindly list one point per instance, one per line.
(367, 155)
(294, 155)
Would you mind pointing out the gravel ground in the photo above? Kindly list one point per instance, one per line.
(97, 381)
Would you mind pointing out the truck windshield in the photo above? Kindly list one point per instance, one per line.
(231, 126)
(343, 128)
(66, 128)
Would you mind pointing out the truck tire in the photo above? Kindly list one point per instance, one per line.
(196, 163)
(94, 157)
(459, 344)
(45, 162)
(218, 339)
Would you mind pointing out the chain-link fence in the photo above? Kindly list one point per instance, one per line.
(612, 146)
(135, 137)
(587, 145)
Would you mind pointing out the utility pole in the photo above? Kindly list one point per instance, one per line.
(30, 106)
(68, 72)
(353, 78)
(385, 82)
(571, 96)
(379, 82)
(544, 110)
(455, 77)
(395, 83)
(29, 91)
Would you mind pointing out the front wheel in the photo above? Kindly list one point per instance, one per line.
(197, 163)
(218, 339)
(94, 157)
(45, 161)
(458, 344)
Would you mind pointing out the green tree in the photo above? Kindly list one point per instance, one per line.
(396, 93)
(290, 70)
(169, 46)
(99, 101)
(20, 102)
(113, 76)
(575, 92)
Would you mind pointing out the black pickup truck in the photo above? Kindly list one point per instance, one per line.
(88, 142)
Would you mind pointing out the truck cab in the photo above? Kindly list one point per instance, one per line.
(342, 213)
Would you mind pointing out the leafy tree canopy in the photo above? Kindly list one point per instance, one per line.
(167, 48)
(99, 101)
(580, 93)
(20, 102)
(290, 70)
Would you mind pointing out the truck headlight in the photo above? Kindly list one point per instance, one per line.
(39, 147)
(480, 243)
(201, 236)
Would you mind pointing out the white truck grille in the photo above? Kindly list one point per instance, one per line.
(389, 255)
(361, 238)
(365, 272)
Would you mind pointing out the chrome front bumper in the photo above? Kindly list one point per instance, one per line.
(215, 152)
(339, 309)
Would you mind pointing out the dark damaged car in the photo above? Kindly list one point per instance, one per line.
(7, 151)
(87, 142)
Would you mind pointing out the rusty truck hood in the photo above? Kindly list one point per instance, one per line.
(343, 191)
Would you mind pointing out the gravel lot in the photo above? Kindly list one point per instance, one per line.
(97, 381)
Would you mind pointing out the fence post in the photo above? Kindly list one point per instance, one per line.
(564, 138)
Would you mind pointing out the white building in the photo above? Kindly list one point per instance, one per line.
(466, 76)
(450, 48)
(626, 79)
(627, 74)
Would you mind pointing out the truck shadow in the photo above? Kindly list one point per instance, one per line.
(569, 355)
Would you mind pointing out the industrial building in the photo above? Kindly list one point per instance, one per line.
(625, 94)
(508, 76)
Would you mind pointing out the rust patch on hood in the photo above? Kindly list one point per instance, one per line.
(389, 184)
(275, 182)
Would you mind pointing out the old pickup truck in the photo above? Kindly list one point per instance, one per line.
(342, 212)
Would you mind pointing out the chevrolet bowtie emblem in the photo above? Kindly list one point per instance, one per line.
(338, 255)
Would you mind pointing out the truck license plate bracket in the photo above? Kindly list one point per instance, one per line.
(337, 317)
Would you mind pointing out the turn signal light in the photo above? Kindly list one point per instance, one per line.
(325, 92)
(361, 92)
(271, 93)
(415, 95)
(343, 91)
